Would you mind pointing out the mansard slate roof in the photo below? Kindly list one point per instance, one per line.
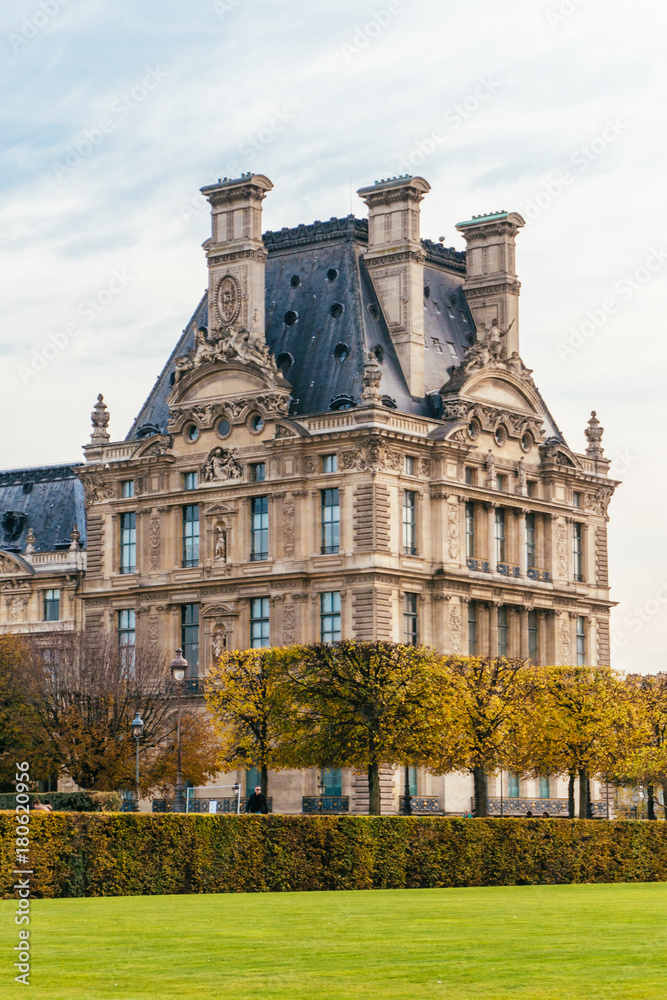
(48, 499)
(317, 272)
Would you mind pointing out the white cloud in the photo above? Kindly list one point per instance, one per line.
(130, 203)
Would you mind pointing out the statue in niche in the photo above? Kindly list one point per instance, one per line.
(220, 544)
(219, 643)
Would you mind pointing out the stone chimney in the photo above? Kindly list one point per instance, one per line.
(491, 285)
(235, 253)
(395, 262)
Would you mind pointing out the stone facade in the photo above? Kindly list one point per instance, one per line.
(433, 500)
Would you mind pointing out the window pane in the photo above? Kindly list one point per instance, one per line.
(470, 530)
(191, 535)
(409, 523)
(530, 540)
(253, 778)
(190, 636)
(259, 528)
(409, 465)
(127, 488)
(332, 781)
(513, 785)
(500, 536)
(128, 543)
(51, 605)
(502, 631)
(581, 641)
(259, 622)
(410, 619)
(472, 628)
(330, 616)
(127, 638)
(532, 636)
(329, 463)
(577, 551)
(258, 472)
(191, 480)
(330, 521)
(544, 788)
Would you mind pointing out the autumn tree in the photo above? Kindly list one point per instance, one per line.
(582, 727)
(489, 703)
(22, 735)
(85, 690)
(248, 698)
(646, 758)
(200, 750)
(363, 705)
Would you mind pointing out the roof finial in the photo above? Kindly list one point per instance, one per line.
(75, 535)
(30, 542)
(100, 420)
(594, 434)
(371, 378)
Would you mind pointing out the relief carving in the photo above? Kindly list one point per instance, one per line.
(154, 533)
(289, 526)
(289, 624)
(453, 530)
(221, 465)
(561, 549)
(455, 628)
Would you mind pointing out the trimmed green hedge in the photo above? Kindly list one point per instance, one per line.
(87, 854)
(69, 801)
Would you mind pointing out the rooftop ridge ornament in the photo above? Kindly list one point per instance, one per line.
(100, 420)
(370, 378)
(594, 434)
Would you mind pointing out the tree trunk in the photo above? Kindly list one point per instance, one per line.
(481, 799)
(374, 805)
(264, 779)
(583, 793)
(407, 809)
(570, 795)
(664, 799)
(650, 796)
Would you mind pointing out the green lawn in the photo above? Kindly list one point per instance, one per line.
(528, 942)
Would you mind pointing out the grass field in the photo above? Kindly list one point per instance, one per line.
(528, 942)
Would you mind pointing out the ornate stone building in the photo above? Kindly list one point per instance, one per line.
(345, 441)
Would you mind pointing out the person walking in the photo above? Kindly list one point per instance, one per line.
(257, 802)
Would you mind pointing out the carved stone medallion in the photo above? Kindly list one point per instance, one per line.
(228, 300)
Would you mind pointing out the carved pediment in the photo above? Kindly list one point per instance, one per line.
(220, 509)
(14, 565)
(219, 611)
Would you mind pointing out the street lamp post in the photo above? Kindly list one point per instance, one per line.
(179, 667)
(137, 730)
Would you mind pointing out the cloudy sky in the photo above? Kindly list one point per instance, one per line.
(114, 114)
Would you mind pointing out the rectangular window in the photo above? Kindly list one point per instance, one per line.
(259, 529)
(258, 472)
(532, 636)
(577, 551)
(51, 605)
(191, 535)
(532, 488)
(410, 619)
(470, 476)
(500, 483)
(330, 521)
(331, 781)
(576, 499)
(127, 488)
(409, 523)
(330, 616)
(512, 785)
(470, 530)
(545, 791)
(472, 628)
(128, 543)
(412, 780)
(190, 636)
(329, 463)
(502, 630)
(500, 535)
(190, 480)
(127, 638)
(259, 622)
(581, 641)
(253, 778)
(409, 465)
(530, 540)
